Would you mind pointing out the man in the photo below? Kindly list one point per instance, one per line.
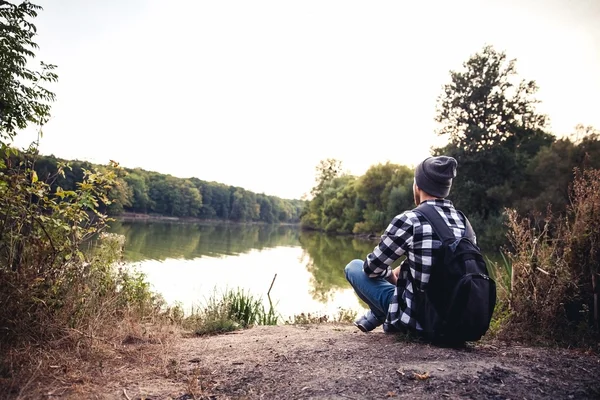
(387, 292)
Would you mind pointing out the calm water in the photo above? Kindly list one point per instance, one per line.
(186, 263)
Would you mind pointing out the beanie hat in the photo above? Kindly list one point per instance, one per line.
(434, 175)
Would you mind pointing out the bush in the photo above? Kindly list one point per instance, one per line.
(51, 292)
(555, 268)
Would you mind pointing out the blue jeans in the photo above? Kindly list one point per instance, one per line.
(376, 292)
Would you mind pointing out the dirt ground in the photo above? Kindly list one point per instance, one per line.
(327, 361)
(330, 361)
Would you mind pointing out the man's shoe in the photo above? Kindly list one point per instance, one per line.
(364, 324)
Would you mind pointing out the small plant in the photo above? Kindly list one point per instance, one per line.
(308, 318)
(268, 317)
(212, 318)
(242, 307)
(501, 272)
(345, 316)
(229, 311)
(175, 314)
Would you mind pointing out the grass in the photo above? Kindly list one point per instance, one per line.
(229, 311)
(236, 309)
(501, 273)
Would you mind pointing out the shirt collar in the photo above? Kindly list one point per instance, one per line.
(439, 202)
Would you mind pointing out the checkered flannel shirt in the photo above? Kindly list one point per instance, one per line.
(410, 234)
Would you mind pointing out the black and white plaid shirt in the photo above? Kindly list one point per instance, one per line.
(409, 233)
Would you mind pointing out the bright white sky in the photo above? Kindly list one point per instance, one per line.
(255, 93)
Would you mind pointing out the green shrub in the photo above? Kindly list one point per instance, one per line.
(54, 296)
(46, 282)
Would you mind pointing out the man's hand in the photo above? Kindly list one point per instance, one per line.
(393, 278)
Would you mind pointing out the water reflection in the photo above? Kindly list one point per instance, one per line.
(186, 263)
(326, 256)
(163, 240)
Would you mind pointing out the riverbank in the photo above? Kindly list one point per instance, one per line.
(139, 217)
(327, 361)
(128, 217)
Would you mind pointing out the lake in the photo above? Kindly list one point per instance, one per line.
(188, 262)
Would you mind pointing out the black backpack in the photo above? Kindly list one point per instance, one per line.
(459, 300)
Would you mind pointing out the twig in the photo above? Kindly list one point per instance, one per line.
(46, 232)
(125, 394)
(541, 270)
(269, 294)
(271, 287)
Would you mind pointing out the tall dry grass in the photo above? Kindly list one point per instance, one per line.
(555, 269)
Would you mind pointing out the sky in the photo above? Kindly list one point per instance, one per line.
(256, 93)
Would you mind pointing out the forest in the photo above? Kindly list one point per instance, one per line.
(140, 191)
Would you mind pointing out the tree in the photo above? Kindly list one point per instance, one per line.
(313, 216)
(339, 213)
(345, 204)
(23, 99)
(120, 196)
(494, 130)
(141, 200)
(326, 171)
(550, 173)
(375, 189)
(266, 208)
(484, 105)
(244, 206)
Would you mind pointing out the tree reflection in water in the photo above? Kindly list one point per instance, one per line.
(326, 256)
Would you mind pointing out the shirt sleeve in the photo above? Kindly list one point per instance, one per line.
(394, 242)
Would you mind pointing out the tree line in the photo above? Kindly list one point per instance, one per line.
(140, 191)
(507, 158)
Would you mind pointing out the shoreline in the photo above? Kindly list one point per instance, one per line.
(140, 217)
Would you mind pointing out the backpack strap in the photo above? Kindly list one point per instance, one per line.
(469, 232)
(439, 225)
